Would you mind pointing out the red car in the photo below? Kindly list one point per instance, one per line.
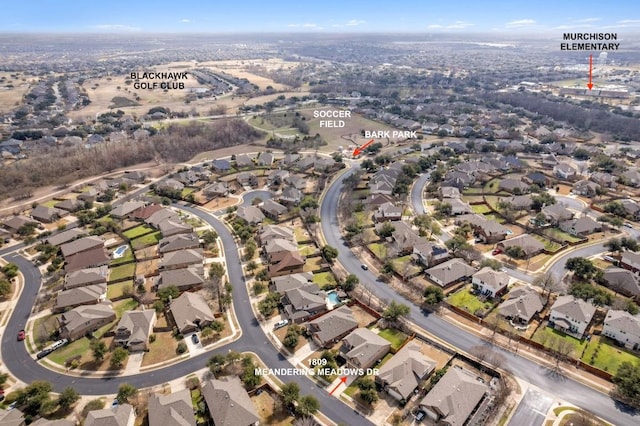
(496, 251)
(21, 335)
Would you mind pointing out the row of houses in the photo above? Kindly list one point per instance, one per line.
(281, 250)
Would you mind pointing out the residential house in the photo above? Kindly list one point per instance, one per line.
(47, 422)
(303, 302)
(537, 178)
(70, 205)
(428, 253)
(134, 329)
(586, 188)
(247, 179)
(221, 165)
(91, 258)
(184, 279)
(387, 212)
(175, 409)
(526, 242)
(581, 227)
(272, 232)
(631, 177)
(622, 281)
(631, 207)
(181, 259)
(290, 159)
(81, 245)
(401, 375)
(83, 320)
(14, 223)
(250, 214)
(450, 272)
(448, 192)
(277, 177)
(297, 181)
(454, 398)
(290, 196)
(630, 261)
(65, 236)
(333, 326)
(178, 242)
(605, 180)
(362, 348)
(90, 195)
(243, 160)
(623, 327)
(274, 247)
(84, 277)
(273, 210)
(489, 282)
(284, 263)
(556, 213)
(323, 164)
(459, 207)
(376, 200)
(229, 403)
(126, 209)
(564, 171)
(265, 159)
(170, 185)
(159, 216)
(121, 415)
(218, 189)
(288, 282)
(172, 227)
(189, 177)
(191, 312)
(135, 175)
(513, 186)
(487, 231)
(47, 214)
(403, 237)
(521, 305)
(13, 417)
(519, 202)
(571, 315)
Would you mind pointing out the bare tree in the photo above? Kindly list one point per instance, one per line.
(548, 283)
(480, 351)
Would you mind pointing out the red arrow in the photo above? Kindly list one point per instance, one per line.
(342, 380)
(359, 149)
(590, 84)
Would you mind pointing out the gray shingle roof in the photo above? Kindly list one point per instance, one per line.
(228, 402)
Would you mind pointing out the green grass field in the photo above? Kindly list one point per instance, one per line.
(560, 235)
(543, 336)
(146, 240)
(72, 350)
(124, 305)
(395, 337)
(126, 257)
(124, 271)
(116, 290)
(480, 208)
(606, 355)
(138, 231)
(463, 299)
(491, 187)
(548, 244)
(379, 250)
(324, 279)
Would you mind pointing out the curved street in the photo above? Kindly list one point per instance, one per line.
(563, 387)
(22, 365)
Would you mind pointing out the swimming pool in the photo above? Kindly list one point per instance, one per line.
(119, 252)
(333, 297)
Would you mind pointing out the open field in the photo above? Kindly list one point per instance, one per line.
(269, 411)
(606, 355)
(544, 334)
(137, 231)
(395, 337)
(10, 97)
(463, 299)
(163, 349)
(124, 271)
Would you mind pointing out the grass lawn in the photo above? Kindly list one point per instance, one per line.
(480, 208)
(137, 231)
(606, 355)
(403, 264)
(472, 191)
(50, 203)
(307, 250)
(351, 390)
(324, 279)
(313, 264)
(270, 412)
(146, 240)
(363, 218)
(492, 200)
(117, 290)
(379, 250)
(495, 218)
(73, 349)
(395, 337)
(124, 305)
(124, 271)
(543, 336)
(548, 244)
(301, 234)
(491, 187)
(187, 191)
(469, 302)
(163, 349)
(127, 256)
(558, 234)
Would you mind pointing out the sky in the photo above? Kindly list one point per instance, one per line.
(256, 16)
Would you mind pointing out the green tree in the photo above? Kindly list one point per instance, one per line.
(433, 295)
(329, 253)
(10, 270)
(292, 337)
(456, 244)
(494, 264)
(3, 379)
(269, 304)
(167, 293)
(581, 267)
(118, 357)
(5, 288)
(289, 394)
(67, 398)
(386, 230)
(209, 237)
(216, 363)
(98, 348)
(515, 252)
(350, 282)
(395, 310)
(370, 396)
(308, 405)
(627, 381)
(126, 393)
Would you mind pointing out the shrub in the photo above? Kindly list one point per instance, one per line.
(182, 348)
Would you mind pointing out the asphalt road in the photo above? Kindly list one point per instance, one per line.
(21, 364)
(532, 410)
(565, 388)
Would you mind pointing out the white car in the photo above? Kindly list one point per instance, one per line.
(281, 324)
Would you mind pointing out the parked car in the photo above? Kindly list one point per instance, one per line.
(365, 267)
(21, 335)
(44, 353)
(419, 415)
(194, 338)
(281, 324)
(496, 251)
(115, 403)
(628, 225)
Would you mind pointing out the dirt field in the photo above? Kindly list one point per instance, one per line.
(221, 203)
(439, 356)
(265, 403)
(10, 97)
(147, 267)
(363, 318)
(240, 69)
